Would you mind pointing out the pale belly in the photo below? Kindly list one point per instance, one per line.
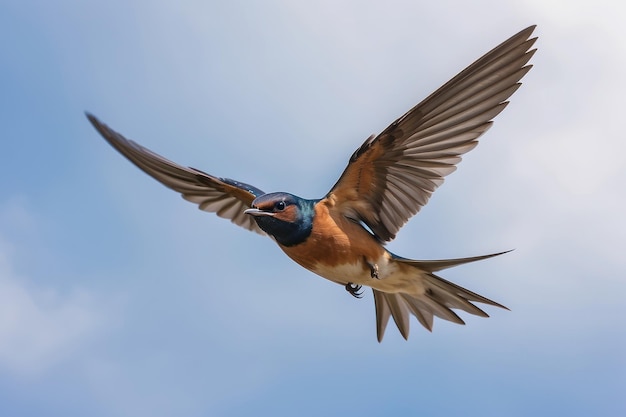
(356, 273)
(392, 277)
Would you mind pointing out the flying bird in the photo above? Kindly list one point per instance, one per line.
(388, 179)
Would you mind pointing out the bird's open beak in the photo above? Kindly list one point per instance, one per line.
(257, 212)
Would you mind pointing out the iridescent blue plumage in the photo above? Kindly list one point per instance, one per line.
(286, 217)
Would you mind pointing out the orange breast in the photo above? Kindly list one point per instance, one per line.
(334, 241)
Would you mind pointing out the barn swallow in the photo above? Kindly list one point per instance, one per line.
(388, 179)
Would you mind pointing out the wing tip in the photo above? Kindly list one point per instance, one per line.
(92, 119)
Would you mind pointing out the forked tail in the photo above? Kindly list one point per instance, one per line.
(439, 298)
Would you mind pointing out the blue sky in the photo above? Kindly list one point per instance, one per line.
(118, 298)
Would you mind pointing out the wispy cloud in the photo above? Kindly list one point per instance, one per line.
(40, 325)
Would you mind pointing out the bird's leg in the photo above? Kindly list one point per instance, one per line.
(354, 290)
(373, 269)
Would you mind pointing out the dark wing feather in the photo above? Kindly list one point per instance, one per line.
(392, 175)
(225, 197)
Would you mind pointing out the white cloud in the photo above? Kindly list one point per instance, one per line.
(39, 326)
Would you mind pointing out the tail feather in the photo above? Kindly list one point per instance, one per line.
(382, 313)
(439, 298)
(424, 316)
(450, 289)
(400, 314)
(438, 265)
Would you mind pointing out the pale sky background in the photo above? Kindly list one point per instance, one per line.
(118, 298)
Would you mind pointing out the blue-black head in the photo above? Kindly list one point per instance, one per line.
(284, 216)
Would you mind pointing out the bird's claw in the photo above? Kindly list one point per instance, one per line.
(373, 270)
(354, 290)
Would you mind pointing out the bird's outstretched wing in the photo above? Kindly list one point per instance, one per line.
(392, 175)
(225, 197)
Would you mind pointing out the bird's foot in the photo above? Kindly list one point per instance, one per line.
(354, 290)
(373, 270)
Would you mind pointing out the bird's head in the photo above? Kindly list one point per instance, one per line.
(284, 216)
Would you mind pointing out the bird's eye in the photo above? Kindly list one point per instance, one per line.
(280, 206)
